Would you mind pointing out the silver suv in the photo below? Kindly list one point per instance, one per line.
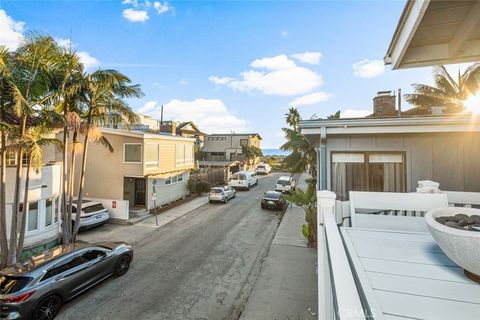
(37, 288)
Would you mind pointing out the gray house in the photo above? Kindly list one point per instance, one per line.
(392, 154)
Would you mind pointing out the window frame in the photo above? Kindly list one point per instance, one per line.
(366, 162)
(133, 144)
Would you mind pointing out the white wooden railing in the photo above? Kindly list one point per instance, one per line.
(338, 297)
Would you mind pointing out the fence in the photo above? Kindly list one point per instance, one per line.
(213, 177)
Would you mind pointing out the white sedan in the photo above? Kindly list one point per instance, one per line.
(221, 194)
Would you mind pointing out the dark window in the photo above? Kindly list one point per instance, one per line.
(12, 284)
(244, 142)
(93, 254)
(94, 208)
(216, 191)
(283, 182)
(273, 195)
(66, 265)
(367, 171)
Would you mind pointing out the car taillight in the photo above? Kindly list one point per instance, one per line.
(20, 298)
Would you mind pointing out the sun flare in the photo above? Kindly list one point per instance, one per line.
(473, 104)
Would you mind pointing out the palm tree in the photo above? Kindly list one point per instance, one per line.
(292, 118)
(303, 157)
(103, 92)
(29, 83)
(308, 201)
(447, 91)
(67, 81)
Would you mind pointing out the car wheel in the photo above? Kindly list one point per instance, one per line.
(122, 265)
(47, 308)
(234, 195)
(248, 187)
(225, 201)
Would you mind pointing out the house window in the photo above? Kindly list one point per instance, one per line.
(244, 142)
(188, 154)
(151, 155)
(367, 171)
(174, 179)
(32, 220)
(180, 154)
(48, 212)
(11, 159)
(132, 153)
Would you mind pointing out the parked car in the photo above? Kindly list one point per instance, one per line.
(273, 200)
(285, 184)
(263, 168)
(243, 180)
(93, 214)
(37, 288)
(222, 194)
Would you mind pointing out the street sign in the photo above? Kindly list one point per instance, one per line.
(154, 181)
(114, 204)
(154, 196)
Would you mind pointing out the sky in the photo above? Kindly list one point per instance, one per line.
(230, 65)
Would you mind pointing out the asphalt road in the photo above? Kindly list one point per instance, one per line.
(200, 266)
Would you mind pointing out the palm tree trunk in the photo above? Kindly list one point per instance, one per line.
(3, 205)
(82, 183)
(71, 176)
(65, 225)
(24, 212)
(12, 259)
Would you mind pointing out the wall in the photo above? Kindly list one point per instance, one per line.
(166, 193)
(451, 159)
(121, 210)
(105, 170)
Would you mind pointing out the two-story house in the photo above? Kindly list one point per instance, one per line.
(225, 152)
(146, 169)
(228, 147)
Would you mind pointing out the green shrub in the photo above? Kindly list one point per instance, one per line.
(203, 186)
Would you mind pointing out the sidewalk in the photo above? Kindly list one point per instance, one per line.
(141, 230)
(287, 285)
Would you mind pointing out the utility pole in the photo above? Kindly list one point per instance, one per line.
(161, 116)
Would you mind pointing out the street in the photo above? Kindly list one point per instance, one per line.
(201, 266)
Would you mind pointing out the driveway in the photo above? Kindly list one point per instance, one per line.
(200, 266)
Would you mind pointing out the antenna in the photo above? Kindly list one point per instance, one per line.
(399, 102)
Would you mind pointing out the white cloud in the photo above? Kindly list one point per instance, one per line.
(211, 115)
(368, 68)
(273, 63)
(65, 43)
(162, 7)
(308, 57)
(132, 2)
(184, 81)
(220, 81)
(311, 98)
(10, 31)
(284, 33)
(135, 15)
(354, 113)
(282, 77)
(87, 60)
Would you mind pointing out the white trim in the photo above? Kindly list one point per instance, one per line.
(410, 20)
(141, 153)
(144, 135)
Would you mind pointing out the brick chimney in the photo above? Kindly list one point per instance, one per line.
(174, 128)
(384, 104)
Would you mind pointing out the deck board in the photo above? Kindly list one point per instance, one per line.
(409, 277)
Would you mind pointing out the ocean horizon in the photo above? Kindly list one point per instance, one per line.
(274, 152)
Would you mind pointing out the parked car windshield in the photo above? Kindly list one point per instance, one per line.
(216, 191)
(272, 195)
(94, 208)
(283, 182)
(239, 177)
(261, 167)
(12, 284)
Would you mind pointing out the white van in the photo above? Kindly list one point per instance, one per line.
(263, 168)
(243, 180)
(285, 184)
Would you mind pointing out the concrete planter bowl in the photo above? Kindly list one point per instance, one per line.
(459, 245)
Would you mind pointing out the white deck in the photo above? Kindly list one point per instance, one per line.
(405, 275)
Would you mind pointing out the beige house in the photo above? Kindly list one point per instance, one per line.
(146, 169)
(228, 147)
